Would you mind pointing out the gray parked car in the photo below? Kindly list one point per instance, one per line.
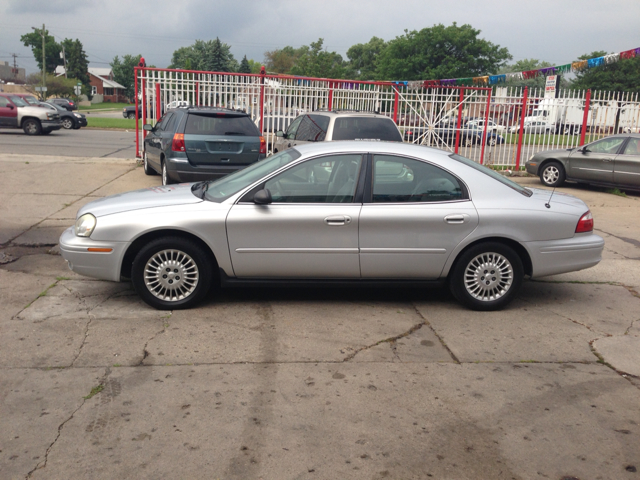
(611, 161)
(322, 126)
(201, 143)
(357, 213)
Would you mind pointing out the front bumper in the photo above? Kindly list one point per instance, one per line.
(50, 125)
(81, 122)
(552, 257)
(101, 265)
(532, 168)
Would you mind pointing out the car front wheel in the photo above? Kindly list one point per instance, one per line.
(487, 276)
(552, 174)
(32, 127)
(171, 273)
(131, 115)
(68, 123)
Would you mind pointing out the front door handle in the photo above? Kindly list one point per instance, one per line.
(606, 159)
(454, 219)
(336, 220)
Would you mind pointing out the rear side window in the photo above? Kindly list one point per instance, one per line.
(366, 128)
(313, 128)
(220, 125)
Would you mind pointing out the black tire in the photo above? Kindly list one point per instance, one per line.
(131, 115)
(552, 174)
(68, 123)
(148, 169)
(32, 127)
(172, 273)
(166, 180)
(471, 284)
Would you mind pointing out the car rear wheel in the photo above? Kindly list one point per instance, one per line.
(68, 123)
(552, 174)
(487, 276)
(171, 273)
(165, 175)
(148, 170)
(32, 127)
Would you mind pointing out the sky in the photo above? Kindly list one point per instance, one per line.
(556, 31)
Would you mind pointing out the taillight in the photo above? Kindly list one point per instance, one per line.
(585, 224)
(177, 145)
(263, 145)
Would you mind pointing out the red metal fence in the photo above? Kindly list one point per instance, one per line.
(499, 126)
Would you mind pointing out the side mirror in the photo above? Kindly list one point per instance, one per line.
(262, 197)
(148, 127)
(584, 150)
(10, 106)
(279, 133)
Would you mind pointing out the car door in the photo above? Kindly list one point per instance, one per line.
(153, 141)
(309, 230)
(595, 161)
(416, 215)
(627, 164)
(8, 113)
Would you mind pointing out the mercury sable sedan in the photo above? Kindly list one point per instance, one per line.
(363, 213)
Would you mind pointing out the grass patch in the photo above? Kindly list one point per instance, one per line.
(94, 391)
(104, 106)
(616, 191)
(129, 124)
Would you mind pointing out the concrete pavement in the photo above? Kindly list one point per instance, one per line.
(255, 383)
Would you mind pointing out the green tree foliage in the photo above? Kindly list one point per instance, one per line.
(524, 66)
(52, 48)
(316, 62)
(620, 76)
(282, 60)
(56, 86)
(77, 62)
(244, 66)
(123, 73)
(209, 56)
(363, 59)
(440, 52)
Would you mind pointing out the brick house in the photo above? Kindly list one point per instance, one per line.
(103, 87)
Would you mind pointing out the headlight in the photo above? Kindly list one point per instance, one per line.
(85, 225)
(77, 115)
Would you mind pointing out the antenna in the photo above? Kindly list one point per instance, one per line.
(548, 204)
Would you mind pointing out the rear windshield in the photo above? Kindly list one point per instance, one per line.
(18, 101)
(366, 128)
(220, 125)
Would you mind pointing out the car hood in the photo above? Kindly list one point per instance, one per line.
(151, 197)
(560, 152)
(558, 198)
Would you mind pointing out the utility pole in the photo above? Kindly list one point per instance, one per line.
(44, 66)
(64, 58)
(15, 66)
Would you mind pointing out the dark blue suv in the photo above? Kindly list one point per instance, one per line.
(201, 143)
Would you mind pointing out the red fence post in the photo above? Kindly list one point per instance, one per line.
(484, 130)
(459, 122)
(144, 103)
(263, 72)
(523, 114)
(585, 117)
(135, 74)
(158, 103)
(330, 100)
(197, 94)
(395, 105)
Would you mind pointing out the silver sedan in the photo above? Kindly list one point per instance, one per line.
(361, 213)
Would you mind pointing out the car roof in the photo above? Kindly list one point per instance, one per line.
(345, 113)
(398, 148)
(227, 111)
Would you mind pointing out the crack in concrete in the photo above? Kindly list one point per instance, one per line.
(42, 464)
(389, 340)
(632, 241)
(442, 342)
(145, 352)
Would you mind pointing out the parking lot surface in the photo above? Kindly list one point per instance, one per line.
(305, 383)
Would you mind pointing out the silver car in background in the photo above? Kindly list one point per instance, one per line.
(362, 213)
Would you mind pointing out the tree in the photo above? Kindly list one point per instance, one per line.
(282, 60)
(363, 59)
(319, 63)
(209, 56)
(620, 76)
(52, 48)
(56, 86)
(526, 65)
(77, 63)
(244, 66)
(440, 52)
(123, 73)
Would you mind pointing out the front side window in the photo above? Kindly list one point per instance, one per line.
(398, 179)
(293, 128)
(606, 145)
(313, 128)
(330, 179)
(18, 102)
(3, 102)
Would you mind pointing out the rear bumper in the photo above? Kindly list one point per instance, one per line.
(567, 255)
(180, 170)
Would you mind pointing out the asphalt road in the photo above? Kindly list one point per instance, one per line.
(71, 143)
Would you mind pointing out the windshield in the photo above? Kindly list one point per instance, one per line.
(222, 189)
(18, 101)
(493, 174)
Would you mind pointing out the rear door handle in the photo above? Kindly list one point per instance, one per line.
(455, 219)
(337, 220)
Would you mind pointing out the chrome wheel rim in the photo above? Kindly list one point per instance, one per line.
(550, 174)
(146, 165)
(488, 276)
(164, 174)
(31, 127)
(171, 275)
(66, 123)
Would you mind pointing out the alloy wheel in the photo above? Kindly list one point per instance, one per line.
(171, 275)
(488, 276)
